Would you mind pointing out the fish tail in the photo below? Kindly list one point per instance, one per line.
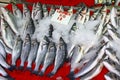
(41, 73)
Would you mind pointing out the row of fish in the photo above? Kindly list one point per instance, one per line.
(88, 42)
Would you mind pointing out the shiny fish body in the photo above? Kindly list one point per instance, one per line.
(25, 49)
(33, 52)
(17, 48)
(7, 34)
(111, 76)
(10, 19)
(52, 10)
(60, 56)
(2, 50)
(42, 50)
(49, 58)
(45, 11)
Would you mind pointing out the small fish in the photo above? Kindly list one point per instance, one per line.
(2, 50)
(29, 28)
(45, 11)
(16, 52)
(49, 58)
(92, 63)
(36, 13)
(52, 10)
(94, 72)
(112, 66)
(25, 50)
(112, 55)
(26, 12)
(33, 53)
(111, 76)
(60, 56)
(7, 34)
(42, 50)
(10, 19)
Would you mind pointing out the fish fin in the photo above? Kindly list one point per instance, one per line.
(50, 74)
(41, 73)
(35, 72)
(12, 67)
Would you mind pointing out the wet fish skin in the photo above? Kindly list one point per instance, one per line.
(17, 49)
(33, 52)
(3, 72)
(49, 58)
(45, 11)
(112, 66)
(111, 76)
(42, 50)
(2, 50)
(51, 29)
(25, 50)
(10, 19)
(52, 10)
(7, 34)
(60, 56)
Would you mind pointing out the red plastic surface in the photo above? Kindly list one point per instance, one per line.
(62, 72)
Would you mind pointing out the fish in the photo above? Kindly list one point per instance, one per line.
(42, 50)
(112, 55)
(2, 50)
(51, 29)
(26, 12)
(45, 11)
(92, 62)
(77, 13)
(7, 34)
(10, 19)
(37, 14)
(70, 10)
(49, 58)
(87, 15)
(33, 53)
(16, 52)
(61, 8)
(26, 47)
(94, 72)
(52, 10)
(29, 28)
(16, 12)
(111, 76)
(112, 66)
(60, 56)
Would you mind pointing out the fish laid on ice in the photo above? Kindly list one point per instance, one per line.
(111, 76)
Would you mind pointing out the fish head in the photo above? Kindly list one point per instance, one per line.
(104, 9)
(14, 7)
(70, 10)
(4, 10)
(73, 28)
(34, 41)
(61, 8)
(61, 41)
(4, 22)
(46, 39)
(111, 75)
(44, 8)
(27, 38)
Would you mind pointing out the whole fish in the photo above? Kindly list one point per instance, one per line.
(2, 50)
(92, 63)
(112, 55)
(25, 50)
(49, 58)
(16, 12)
(60, 56)
(45, 11)
(10, 19)
(17, 49)
(7, 34)
(42, 50)
(112, 66)
(95, 71)
(33, 52)
(29, 28)
(26, 12)
(36, 13)
(111, 76)
(52, 10)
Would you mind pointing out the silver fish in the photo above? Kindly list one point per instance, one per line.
(10, 19)
(112, 66)
(42, 50)
(29, 28)
(25, 50)
(87, 15)
(112, 55)
(26, 12)
(7, 34)
(52, 10)
(16, 52)
(16, 11)
(2, 50)
(49, 58)
(33, 53)
(95, 71)
(60, 56)
(111, 76)
(36, 13)
(45, 11)
(92, 63)
(3, 72)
